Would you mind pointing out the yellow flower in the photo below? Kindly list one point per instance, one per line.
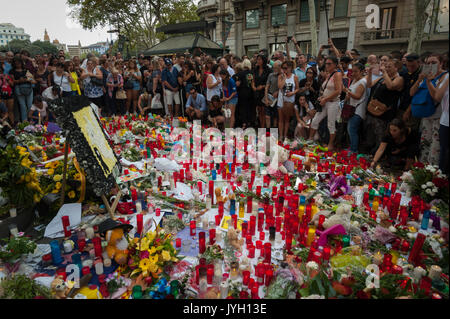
(57, 178)
(55, 191)
(71, 194)
(151, 235)
(153, 259)
(165, 255)
(313, 183)
(144, 244)
(51, 171)
(58, 185)
(174, 259)
(25, 162)
(27, 178)
(153, 267)
(144, 264)
(36, 198)
(152, 250)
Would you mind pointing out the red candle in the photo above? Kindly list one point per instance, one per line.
(262, 235)
(248, 239)
(211, 191)
(243, 295)
(251, 252)
(260, 221)
(417, 247)
(97, 246)
(199, 186)
(212, 236)
(218, 218)
(202, 242)
(249, 204)
(178, 242)
(258, 190)
(209, 275)
(252, 177)
(234, 219)
(258, 244)
(66, 224)
(269, 276)
(255, 290)
(321, 220)
(81, 244)
(267, 252)
(192, 227)
(252, 224)
(134, 195)
(244, 229)
(158, 211)
(140, 223)
(326, 253)
(245, 277)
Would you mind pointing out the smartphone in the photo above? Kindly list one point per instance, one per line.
(289, 38)
(327, 46)
(434, 68)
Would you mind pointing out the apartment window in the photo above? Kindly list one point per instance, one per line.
(251, 19)
(304, 10)
(305, 47)
(340, 8)
(387, 23)
(250, 50)
(278, 14)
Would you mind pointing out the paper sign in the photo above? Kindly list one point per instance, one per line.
(55, 228)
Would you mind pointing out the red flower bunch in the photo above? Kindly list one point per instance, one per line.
(440, 182)
(419, 165)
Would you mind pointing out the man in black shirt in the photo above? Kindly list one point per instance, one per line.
(409, 78)
(144, 71)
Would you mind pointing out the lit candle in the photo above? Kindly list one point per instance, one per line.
(90, 233)
(13, 212)
(212, 236)
(98, 264)
(311, 234)
(192, 228)
(138, 207)
(13, 230)
(417, 247)
(435, 272)
(140, 223)
(223, 290)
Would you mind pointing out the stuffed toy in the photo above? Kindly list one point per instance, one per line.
(59, 287)
(233, 240)
(117, 245)
(342, 217)
(276, 167)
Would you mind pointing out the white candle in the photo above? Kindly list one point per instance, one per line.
(13, 230)
(435, 272)
(39, 118)
(223, 290)
(107, 262)
(87, 263)
(13, 212)
(208, 201)
(68, 246)
(90, 233)
(138, 207)
(99, 267)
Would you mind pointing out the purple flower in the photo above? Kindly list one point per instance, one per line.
(144, 254)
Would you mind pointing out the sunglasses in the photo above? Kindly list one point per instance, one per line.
(328, 63)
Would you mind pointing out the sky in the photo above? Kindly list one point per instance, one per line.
(37, 15)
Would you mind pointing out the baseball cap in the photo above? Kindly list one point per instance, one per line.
(168, 61)
(412, 57)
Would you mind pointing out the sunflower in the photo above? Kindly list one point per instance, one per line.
(58, 185)
(57, 178)
(51, 171)
(71, 194)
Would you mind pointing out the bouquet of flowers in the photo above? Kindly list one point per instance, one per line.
(52, 181)
(139, 128)
(18, 179)
(428, 182)
(132, 154)
(151, 254)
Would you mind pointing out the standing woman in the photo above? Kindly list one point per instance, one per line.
(70, 68)
(92, 79)
(213, 83)
(260, 75)
(246, 106)
(310, 86)
(356, 97)
(6, 93)
(429, 126)
(114, 83)
(63, 79)
(329, 101)
(288, 86)
(41, 76)
(230, 95)
(23, 88)
(132, 78)
(206, 72)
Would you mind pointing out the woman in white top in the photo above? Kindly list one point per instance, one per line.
(440, 94)
(288, 86)
(329, 100)
(429, 139)
(356, 96)
(63, 79)
(213, 83)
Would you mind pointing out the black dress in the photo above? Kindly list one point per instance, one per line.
(245, 110)
(260, 80)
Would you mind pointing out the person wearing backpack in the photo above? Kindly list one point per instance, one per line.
(423, 106)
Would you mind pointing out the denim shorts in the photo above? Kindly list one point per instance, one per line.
(233, 101)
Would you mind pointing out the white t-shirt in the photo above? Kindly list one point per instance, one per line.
(48, 94)
(437, 114)
(361, 103)
(230, 71)
(444, 103)
(43, 111)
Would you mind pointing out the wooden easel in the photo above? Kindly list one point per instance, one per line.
(111, 209)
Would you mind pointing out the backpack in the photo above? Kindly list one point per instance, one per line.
(422, 104)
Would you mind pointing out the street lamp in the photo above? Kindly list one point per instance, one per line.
(276, 28)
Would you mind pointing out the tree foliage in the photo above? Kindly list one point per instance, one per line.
(47, 47)
(15, 45)
(37, 47)
(137, 20)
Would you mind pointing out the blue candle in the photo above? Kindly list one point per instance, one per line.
(302, 200)
(213, 174)
(56, 252)
(425, 220)
(232, 207)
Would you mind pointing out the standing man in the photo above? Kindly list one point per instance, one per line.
(169, 78)
(409, 78)
(224, 66)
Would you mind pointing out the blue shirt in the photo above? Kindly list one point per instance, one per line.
(300, 73)
(6, 67)
(199, 103)
(231, 88)
(170, 77)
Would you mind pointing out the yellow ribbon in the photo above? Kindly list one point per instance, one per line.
(83, 180)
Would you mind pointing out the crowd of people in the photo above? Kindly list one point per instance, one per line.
(393, 106)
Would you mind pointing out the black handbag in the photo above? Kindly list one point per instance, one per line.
(96, 81)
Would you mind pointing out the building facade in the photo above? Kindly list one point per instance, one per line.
(99, 47)
(10, 32)
(250, 25)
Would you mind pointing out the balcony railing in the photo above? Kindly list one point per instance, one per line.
(207, 5)
(386, 34)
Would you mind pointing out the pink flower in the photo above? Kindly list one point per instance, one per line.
(144, 254)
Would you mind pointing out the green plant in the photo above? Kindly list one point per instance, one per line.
(22, 287)
(16, 247)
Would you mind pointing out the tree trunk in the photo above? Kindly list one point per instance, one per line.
(417, 32)
(313, 26)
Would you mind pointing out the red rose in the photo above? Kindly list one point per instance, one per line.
(440, 182)
(362, 295)
(419, 165)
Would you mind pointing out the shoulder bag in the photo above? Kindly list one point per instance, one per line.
(317, 105)
(375, 107)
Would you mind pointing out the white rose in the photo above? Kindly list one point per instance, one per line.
(435, 190)
(430, 184)
(392, 229)
(428, 191)
(424, 186)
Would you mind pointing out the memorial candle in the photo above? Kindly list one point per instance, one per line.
(244, 229)
(56, 252)
(211, 191)
(97, 246)
(251, 252)
(269, 276)
(234, 219)
(267, 252)
(252, 224)
(140, 223)
(311, 234)
(249, 205)
(212, 236)
(201, 242)
(192, 228)
(425, 220)
(417, 247)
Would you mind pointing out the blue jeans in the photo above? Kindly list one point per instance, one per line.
(25, 102)
(353, 131)
(443, 155)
